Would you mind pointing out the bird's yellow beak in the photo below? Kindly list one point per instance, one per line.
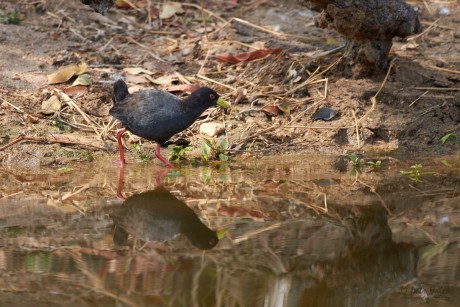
(222, 103)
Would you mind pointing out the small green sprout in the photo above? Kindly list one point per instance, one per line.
(178, 152)
(212, 152)
(448, 136)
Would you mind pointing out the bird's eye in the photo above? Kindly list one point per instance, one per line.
(212, 97)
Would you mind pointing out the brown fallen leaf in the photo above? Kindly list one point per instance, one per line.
(271, 110)
(170, 9)
(190, 88)
(136, 79)
(240, 95)
(51, 106)
(158, 66)
(67, 72)
(247, 56)
(163, 80)
(74, 90)
(137, 71)
(123, 4)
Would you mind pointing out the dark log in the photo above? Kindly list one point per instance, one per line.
(370, 26)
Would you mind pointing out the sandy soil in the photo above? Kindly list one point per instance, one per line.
(418, 105)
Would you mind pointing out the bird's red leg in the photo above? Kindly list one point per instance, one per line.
(120, 146)
(162, 159)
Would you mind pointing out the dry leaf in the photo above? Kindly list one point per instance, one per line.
(136, 79)
(67, 72)
(170, 9)
(247, 56)
(163, 80)
(74, 90)
(123, 4)
(271, 110)
(84, 79)
(158, 66)
(51, 106)
(240, 95)
(184, 88)
(137, 71)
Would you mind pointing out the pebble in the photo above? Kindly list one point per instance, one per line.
(212, 129)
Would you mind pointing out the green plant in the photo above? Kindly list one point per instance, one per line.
(9, 18)
(444, 139)
(212, 152)
(178, 152)
(357, 162)
(415, 173)
(448, 136)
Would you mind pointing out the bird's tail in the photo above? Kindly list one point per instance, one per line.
(120, 90)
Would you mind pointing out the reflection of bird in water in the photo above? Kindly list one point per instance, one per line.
(158, 216)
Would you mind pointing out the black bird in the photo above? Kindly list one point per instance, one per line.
(157, 115)
(158, 215)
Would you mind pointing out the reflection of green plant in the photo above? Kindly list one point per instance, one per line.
(178, 152)
(212, 152)
(415, 173)
(65, 169)
(377, 163)
(140, 152)
(358, 164)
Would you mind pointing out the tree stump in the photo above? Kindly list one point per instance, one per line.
(370, 26)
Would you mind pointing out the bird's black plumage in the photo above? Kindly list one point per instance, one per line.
(158, 215)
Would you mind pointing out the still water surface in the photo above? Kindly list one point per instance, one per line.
(294, 231)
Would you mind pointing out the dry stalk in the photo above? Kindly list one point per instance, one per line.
(413, 38)
(418, 98)
(55, 138)
(357, 128)
(374, 98)
(73, 105)
(12, 105)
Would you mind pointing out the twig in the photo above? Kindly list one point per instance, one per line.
(438, 88)
(72, 104)
(216, 82)
(199, 7)
(424, 32)
(12, 105)
(357, 128)
(55, 138)
(418, 98)
(457, 72)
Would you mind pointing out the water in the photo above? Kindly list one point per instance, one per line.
(298, 231)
